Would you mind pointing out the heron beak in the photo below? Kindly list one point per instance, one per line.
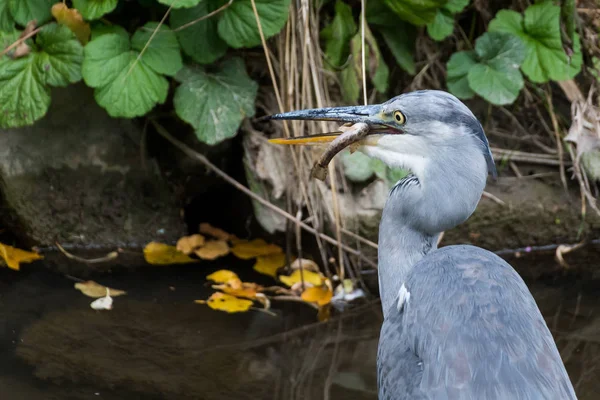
(371, 115)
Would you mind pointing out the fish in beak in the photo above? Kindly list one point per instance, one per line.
(359, 122)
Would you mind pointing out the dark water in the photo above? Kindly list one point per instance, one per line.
(157, 344)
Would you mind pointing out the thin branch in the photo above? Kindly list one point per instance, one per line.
(493, 198)
(210, 14)
(109, 257)
(199, 157)
(20, 40)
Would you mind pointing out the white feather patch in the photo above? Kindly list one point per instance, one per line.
(403, 297)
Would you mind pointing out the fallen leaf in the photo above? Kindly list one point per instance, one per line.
(324, 313)
(223, 276)
(162, 254)
(303, 263)
(269, 264)
(188, 244)
(213, 249)
(320, 295)
(248, 290)
(13, 256)
(103, 303)
(314, 278)
(72, 19)
(250, 249)
(210, 230)
(93, 289)
(225, 302)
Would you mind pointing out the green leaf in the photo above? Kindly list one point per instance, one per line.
(349, 84)
(442, 26)
(201, 40)
(337, 35)
(215, 103)
(23, 96)
(456, 6)
(24, 11)
(496, 77)
(540, 31)
(99, 29)
(177, 4)
(417, 12)
(458, 68)
(357, 166)
(7, 23)
(237, 25)
(568, 12)
(60, 56)
(401, 41)
(377, 69)
(125, 87)
(162, 53)
(95, 9)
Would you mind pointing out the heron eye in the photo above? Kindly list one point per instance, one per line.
(399, 117)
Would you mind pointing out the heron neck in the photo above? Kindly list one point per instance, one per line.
(404, 248)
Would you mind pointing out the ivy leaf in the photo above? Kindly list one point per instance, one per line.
(417, 12)
(496, 77)
(540, 31)
(24, 11)
(60, 57)
(24, 92)
(237, 25)
(7, 23)
(458, 67)
(162, 53)
(125, 87)
(456, 6)
(442, 26)
(201, 40)
(23, 96)
(337, 35)
(215, 103)
(177, 4)
(95, 9)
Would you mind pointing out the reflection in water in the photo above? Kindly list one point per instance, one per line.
(157, 344)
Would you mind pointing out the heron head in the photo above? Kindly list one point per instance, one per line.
(408, 130)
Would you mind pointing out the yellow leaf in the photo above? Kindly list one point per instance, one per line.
(268, 265)
(225, 302)
(93, 289)
(248, 290)
(303, 263)
(162, 254)
(320, 295)
(223, 276)
(314, 278)
(72, 19)
(188, 244)
(13, 256)
(210, 230)
(213, 249)
(258, 247)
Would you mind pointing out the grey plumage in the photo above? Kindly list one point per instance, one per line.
(459, 322)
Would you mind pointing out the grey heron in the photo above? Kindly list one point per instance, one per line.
(459, 321)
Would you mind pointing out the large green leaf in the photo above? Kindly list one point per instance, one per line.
(181, 3)
(458, 68)
(540, 31)
(215, 103)
(237, 25)
(417, 12)
(7, 23)
(24, 11)
(94, 9)
(349, 84)
(162, 53)
(442, 26)
(124, 86)
(337, 35)
(496, 77)
(23, 96)
(201, 40)
(401, 42)
(456, 6)
(60, 55)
